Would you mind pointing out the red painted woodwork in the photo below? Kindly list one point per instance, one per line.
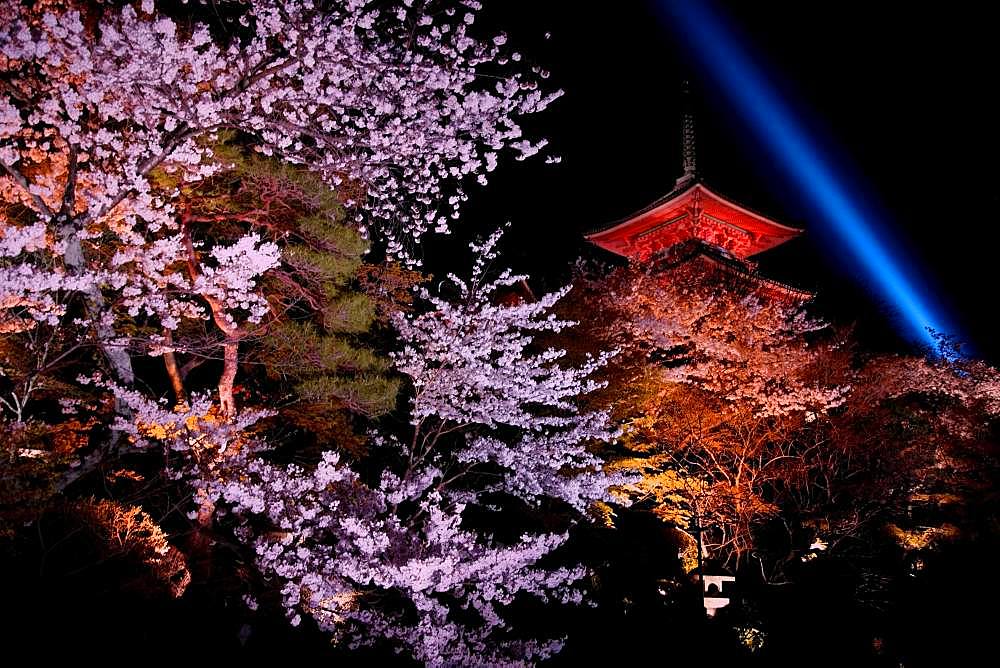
(692, 212)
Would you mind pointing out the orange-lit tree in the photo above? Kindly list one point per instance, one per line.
(718, 392)
(741, 411)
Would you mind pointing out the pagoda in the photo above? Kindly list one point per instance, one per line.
(694, 223)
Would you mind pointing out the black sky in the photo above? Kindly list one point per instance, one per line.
(903, 92)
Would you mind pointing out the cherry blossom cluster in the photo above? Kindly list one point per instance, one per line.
(195, 429)
(397, 98)
(232, 281)
(492, 417)
(471, 360)
(338, 547)
(741, 344)
(107, 113)
(29, 288)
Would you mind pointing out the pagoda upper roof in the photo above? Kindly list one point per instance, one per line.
(692, 211)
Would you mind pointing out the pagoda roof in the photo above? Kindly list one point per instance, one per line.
(692, 211)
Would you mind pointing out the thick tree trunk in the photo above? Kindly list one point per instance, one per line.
(230, 364)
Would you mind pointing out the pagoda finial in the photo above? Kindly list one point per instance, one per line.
(688, 138)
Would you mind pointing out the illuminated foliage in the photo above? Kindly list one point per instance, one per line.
(128, 533)
(714, 389)
(741, 409)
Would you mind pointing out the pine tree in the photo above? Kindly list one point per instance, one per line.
(314, 346)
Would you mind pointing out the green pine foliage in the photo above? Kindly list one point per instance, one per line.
(315, 356)
(320, 349)
(325, 367)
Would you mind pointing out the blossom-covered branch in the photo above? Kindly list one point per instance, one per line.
(491, 418)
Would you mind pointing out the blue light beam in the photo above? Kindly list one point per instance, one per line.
(801, 159)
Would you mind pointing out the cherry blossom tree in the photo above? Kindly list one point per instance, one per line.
(494, 421)
(398, 103)
(715, 388)
(117, 119)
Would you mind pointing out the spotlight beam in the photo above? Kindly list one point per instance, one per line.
(800, 158)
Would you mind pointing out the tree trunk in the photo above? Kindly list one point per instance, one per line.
(170, 362)
(231, 361)
(227, 404)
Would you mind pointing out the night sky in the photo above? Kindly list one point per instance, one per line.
(900, 94)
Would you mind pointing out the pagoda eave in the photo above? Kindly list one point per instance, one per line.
(693, 212)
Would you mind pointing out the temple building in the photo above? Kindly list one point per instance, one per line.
(692, 223)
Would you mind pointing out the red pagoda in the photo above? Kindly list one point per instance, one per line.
(706, 225)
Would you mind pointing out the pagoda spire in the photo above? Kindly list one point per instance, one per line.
(691, 212)
(689, 153)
